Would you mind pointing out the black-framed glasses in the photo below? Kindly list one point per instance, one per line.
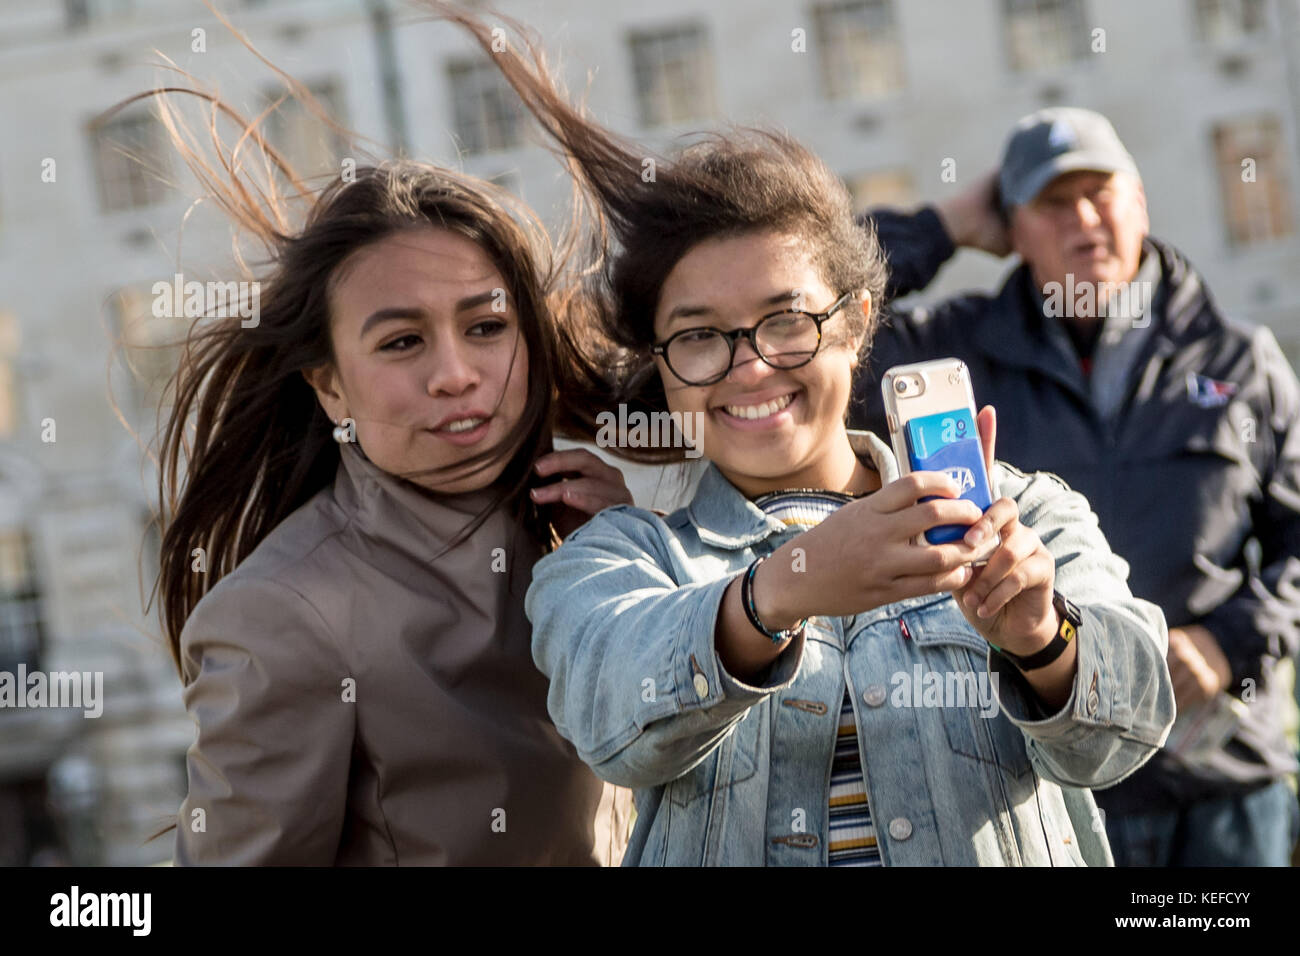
(786, 339)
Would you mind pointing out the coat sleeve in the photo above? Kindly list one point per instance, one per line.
(1121, 704)
(1260, 624)
(635, 682)
(915, 246)
(268, 770)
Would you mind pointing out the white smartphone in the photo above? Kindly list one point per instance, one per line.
(930, 409)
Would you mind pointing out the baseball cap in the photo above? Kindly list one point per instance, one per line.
(1058, 140)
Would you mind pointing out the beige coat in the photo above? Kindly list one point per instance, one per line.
(359, 702)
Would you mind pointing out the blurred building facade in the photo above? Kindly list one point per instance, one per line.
(909, 100)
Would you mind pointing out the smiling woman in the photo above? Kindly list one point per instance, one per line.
(731, 660)
(352, 510)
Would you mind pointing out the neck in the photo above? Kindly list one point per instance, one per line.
(839, 469)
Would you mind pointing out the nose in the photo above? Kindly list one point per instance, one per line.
(452, 373)
(747, 367)
(1087, 213)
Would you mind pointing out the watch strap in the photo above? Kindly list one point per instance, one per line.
(1065, 633)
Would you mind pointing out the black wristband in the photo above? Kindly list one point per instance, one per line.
(1065, 633)
(751, 612)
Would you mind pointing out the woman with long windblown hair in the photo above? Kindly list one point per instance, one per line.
(355, 489)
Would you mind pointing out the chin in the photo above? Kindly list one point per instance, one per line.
(460, 486)
(757, 466)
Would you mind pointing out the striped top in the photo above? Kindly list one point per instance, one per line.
(852, 838)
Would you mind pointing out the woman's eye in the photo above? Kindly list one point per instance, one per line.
(697, 337)
(488, 328)
(391, 346)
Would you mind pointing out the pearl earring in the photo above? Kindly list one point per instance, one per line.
(341, 434)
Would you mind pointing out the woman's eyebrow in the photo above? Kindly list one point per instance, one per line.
(474, 301)
(689, 311)
(469, 302)
(386, 315)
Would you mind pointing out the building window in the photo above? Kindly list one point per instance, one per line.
(82, 13)
(1252, 177)
(890, 187)
(858, 48)
(307, 142)
(485, 109)
(672, 72)
(131, 161)
(150, 346)
(1042, 34)
(20, 605)
(1220, 20)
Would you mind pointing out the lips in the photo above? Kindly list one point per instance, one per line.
(461, 421)
(760, 410)
(757, 409)
(1090, 247)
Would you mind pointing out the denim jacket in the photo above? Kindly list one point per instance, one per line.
(730, 773)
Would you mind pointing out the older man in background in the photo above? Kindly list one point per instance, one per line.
(1109, 363)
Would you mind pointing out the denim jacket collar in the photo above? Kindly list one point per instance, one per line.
(724, 518)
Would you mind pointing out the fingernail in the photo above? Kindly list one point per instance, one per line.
(975, 535)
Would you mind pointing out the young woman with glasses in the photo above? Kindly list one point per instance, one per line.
(784, 676)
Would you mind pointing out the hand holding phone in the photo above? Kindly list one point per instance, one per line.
(930, 407)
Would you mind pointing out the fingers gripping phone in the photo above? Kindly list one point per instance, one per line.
(930, 408)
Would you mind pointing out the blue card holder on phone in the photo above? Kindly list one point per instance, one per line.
(949, 443)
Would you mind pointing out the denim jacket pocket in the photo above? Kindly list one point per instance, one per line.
(737, 753)
(954, 659)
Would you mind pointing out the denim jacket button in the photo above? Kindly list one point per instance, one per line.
(701, 686)
(900, 828)
(874, 695)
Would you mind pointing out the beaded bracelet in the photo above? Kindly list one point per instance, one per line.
(747, 599)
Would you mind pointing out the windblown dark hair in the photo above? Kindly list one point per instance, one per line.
(648, 211)
(245, 441)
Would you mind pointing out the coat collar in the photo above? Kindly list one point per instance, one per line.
(398, 512)
(725, 518)
(1022, 336)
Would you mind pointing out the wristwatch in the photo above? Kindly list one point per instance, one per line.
(1070, 621)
